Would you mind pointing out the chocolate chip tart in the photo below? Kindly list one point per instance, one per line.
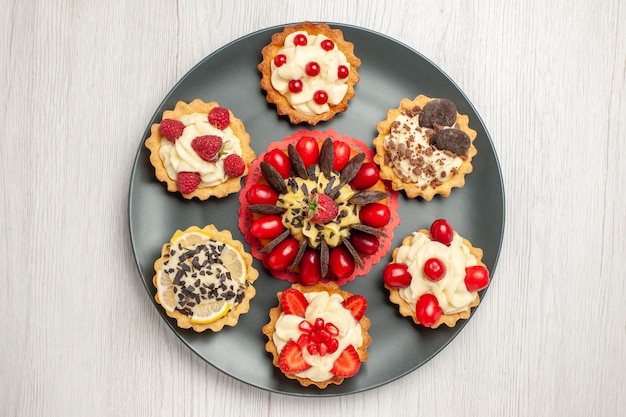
(425, 147)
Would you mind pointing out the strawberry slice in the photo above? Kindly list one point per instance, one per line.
(357, 304)
(294, 302)
(347, 364)
(291, 360)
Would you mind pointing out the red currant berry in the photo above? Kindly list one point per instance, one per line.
(320, 97)
(441, 231)
(312, 69)
(300, 40)
(342, 72)
(295, 86)
(434, 269)
(280, 60)
(427, 310)
(327, 45)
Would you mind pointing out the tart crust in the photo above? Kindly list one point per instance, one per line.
(270, 328)
(153, 143)
(411, 189)
(449, 320)
(273, 96)
(232, 317)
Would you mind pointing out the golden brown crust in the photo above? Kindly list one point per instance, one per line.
(270, 328)
(232, 317)
(282, 104)
(153, 143)
(411, 189)
(449, 320)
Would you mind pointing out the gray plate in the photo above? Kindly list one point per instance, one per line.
(389, 72)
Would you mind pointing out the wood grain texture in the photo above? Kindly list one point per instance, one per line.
(80, 80)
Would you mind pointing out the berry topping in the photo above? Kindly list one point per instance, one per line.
(219, 117)
(261, 194)
(309, 150)
(357, 304)
(367, 176)
(375, 215)
(207, 147)
(234, 165)
(440, 112)
(171, 129)
(300, 40)
(322, 209)
(476, 278)
(310, 267)
(294, 302)
(441, 231)
(341, 155)
(396, 275)
(320, 97)
(318, 338)
(187, 182)
(341, 262)
(267, 227)
(312, 69)
(281, 163)
(453, 140)
(291, 360)
(347, 364)
(280, 60)
(427, 310)
(295, 86)
(327, 45)
(283, 254)
(434, 269)
(342, 72)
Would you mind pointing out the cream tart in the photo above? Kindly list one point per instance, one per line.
(204, 279)
(318, 335)
(435, 276)
(313, 208)
(309, 72)
(425, 147)
(200, 150)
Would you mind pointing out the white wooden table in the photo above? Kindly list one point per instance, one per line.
(80, 80)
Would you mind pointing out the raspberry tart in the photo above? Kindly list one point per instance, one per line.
(204, 279)
(200, 150)
(313, 208)
(425, 147)
(309, 71)
(318, 334)
(435, 276)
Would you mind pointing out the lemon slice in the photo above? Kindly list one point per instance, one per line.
(209, 312)
(233, 261)
(165, 292)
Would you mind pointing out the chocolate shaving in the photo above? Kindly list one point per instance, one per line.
(366, 197)
(284, 235)
(352, 168)
(369, 230)
(299, 255)
(324, 258)
(296, 162)
(327, 156)
(352, 251)
(266, 209)
(273, 177)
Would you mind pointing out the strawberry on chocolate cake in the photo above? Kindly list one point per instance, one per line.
(314, 209)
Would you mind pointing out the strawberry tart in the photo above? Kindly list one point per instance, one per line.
(435, 276)
(200, 150)
(425, 147)
(309, 72)
(318, 334)
(313, 208)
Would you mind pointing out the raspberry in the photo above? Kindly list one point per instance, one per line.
(322, 209)
(188, 181)
(234, 165)
(207, 146)
(171, 129)
(219, 117)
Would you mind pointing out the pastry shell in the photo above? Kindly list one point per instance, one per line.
(232, 317)
(153, 143)
(412, 190)
(270, 328)
(449, 320)
(273, 96)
